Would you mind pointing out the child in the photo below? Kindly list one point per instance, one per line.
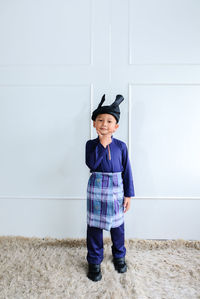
(109, 189)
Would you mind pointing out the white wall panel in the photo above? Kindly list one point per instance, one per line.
(45, 32)
(43, 134)
(164, 32)
(66, 218)
(57, 59)
(164, 140)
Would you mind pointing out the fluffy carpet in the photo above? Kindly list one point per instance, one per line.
(54, 268)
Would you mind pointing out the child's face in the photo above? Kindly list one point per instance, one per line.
(105, 123)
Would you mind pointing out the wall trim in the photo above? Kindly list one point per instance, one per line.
(54, 197)
(131, 53)
(91, 58)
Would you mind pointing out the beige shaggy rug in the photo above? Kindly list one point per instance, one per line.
(55, 268)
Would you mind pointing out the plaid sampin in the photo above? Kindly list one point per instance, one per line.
(105, 197)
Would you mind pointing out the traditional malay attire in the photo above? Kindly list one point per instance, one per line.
(110, 181)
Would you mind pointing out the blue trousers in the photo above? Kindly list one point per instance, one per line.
(95, 243)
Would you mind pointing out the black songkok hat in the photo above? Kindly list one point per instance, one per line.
(112, 109)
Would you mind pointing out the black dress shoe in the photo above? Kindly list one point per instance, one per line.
(120, 265)
(94, 272)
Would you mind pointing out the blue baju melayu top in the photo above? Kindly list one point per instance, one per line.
(97, 159)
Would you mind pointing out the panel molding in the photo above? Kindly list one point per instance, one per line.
(91, 107)
(131, 59)
(44, 85)
(91, 9)
(65, 197)
(130, 85)
(54, 197)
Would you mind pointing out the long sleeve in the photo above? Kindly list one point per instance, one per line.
(94, 153)
(127, 174)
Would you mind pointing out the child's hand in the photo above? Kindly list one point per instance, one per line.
(127, 203)
(104, 139)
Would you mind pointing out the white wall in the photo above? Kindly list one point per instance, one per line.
(57, 58)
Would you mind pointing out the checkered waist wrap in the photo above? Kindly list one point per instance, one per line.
(105, 198)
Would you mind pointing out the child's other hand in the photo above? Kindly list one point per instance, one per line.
(127, 203)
